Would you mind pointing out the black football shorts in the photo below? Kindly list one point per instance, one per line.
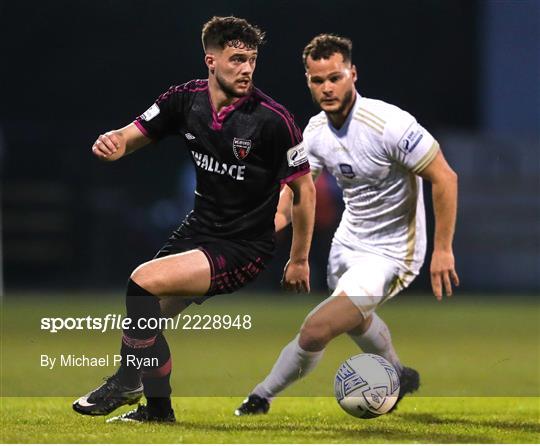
(233, 263)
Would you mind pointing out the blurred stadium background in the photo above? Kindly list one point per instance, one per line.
(468, 70)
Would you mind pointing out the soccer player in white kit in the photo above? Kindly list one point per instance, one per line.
(378, 154)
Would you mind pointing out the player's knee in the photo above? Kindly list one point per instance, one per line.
(362, 327)
(147, 280)
(314, 335)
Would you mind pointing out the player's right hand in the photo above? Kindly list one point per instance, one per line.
(296, 277)
(108, 147)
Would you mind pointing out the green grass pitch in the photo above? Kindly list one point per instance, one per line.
(291, 420)
(479, 360)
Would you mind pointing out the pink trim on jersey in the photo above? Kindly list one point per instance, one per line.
(141, 128)
(282, 111)
(200, 85)
(294, 176)
(275, 110)
(219, 118)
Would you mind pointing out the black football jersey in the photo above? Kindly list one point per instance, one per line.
(241, 155)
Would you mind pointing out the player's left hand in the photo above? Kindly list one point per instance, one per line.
(296, 276)
(443, 273)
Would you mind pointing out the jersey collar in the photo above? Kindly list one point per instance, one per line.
(343, 129)
(219, 118)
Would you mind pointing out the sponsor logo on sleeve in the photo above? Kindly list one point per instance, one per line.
(151, 113)
(411, 138)
(241, 147)
(297, 155)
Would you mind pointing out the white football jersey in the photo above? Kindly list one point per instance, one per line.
(374, 156)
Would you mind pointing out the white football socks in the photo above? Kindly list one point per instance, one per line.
(293, 363)
(377, 340)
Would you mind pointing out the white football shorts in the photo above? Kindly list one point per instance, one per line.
(368, 279)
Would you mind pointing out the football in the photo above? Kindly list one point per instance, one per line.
(366, 386)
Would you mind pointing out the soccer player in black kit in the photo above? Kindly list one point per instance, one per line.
(243, 145)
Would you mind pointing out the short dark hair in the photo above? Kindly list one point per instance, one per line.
(222, 31)
(324, 45)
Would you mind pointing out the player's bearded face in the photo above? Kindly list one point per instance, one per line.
(234, 67)
(331, 83)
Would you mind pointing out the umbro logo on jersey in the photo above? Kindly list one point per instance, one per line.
(189, 136)
(347, 170)
(241, 147)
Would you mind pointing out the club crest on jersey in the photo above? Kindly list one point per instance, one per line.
(347, 170)
(241, 147)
